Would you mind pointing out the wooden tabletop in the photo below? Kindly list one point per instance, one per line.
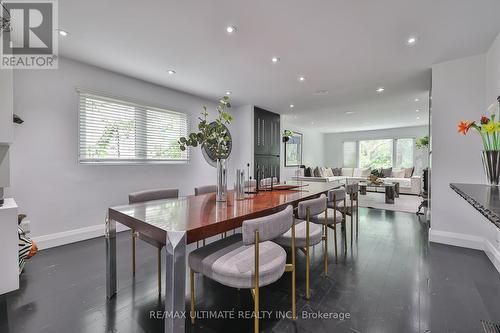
(201, 216)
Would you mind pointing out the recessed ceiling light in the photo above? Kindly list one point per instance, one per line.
(350, 112)
(302, 78)
(275, 59)
(312, 122)
(380, 89)
(230, 29)
(417, 99)
(292, 106)
(171, 72)
(63, 33)
(412, 40)
(418, 118)
(228, 92)
(295, 117)
(417, 110)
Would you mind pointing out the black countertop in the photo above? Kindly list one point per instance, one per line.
(484, 198)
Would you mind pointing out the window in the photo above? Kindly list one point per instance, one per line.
(112, 130)
(404, 153)
(350, 154)
(375, 153)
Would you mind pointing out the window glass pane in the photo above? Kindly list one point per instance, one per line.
(375, 153)
(350, 148)
(112, 130)
(404, 153)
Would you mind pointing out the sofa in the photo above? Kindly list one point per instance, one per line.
(408, 183)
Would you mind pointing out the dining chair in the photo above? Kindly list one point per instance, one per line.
(205, 189)
(336, 200)
(307, 234)
(353, 191)
(249, 260)
(143, 196)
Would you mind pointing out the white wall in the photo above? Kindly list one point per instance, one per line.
(312, 149)
(334, 144)
(462, 90)
(65, 200)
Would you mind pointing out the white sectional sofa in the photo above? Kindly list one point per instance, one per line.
(410, 185)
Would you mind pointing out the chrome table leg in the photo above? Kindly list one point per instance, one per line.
(175, 276)
(110, 233)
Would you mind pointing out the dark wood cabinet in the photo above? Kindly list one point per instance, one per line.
(267, 141)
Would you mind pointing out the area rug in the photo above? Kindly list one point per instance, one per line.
(405, 203)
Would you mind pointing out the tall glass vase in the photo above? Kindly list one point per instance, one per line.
(221, 194)
(491, 164)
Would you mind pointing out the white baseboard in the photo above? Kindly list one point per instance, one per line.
(492, 253)
(72, 236)
(467, 241)
(456, 239)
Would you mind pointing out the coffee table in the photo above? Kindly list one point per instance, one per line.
(391, 190)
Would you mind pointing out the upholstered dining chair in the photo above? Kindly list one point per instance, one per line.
(307, 234)
(336, 200)
(351, 210)
(143, 196)
(249, 260)
(205, 189)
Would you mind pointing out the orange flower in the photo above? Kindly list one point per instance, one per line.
(463, 126)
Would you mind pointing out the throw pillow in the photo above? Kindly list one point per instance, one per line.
(316, 172)
(366, 172)
(307, 172)
(347, 172)
(322, 171)
(337, 171)
(356, 172)
(398, 173)
(409, 172)
(386, 173)
(328, 172)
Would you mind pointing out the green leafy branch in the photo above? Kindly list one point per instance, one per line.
(214, 134)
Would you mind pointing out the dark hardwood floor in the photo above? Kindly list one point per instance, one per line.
(390, 281)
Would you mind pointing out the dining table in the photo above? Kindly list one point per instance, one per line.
(180, 221)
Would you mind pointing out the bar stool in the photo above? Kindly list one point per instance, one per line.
(249, 260)
(143, 196)
(307, 234)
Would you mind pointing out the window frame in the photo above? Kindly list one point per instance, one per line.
(394, 153)
(139, 104)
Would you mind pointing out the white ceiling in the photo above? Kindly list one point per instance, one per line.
(346, 47)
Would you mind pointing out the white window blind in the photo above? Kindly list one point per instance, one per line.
(118, 131)
(350, 154)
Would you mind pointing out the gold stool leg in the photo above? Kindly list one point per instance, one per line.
(191, 280)
(294, 314)
(357, 214)
(133, 251)
(159, 270)
(352, 214)
(308, 291)
(256, 283)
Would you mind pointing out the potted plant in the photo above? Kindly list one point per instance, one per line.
(287, 135)
(489, 130)
(422, 143)
(214, 137)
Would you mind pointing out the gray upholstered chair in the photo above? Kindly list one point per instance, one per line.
(351, 210)
(205, 189)
(307, 234)
(249, 260)
(143, 196)
(336, 200)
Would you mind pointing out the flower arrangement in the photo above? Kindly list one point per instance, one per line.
(488, 128)
(287, 135)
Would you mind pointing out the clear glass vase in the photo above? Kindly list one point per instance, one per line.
(221, 194)
(491, 164)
